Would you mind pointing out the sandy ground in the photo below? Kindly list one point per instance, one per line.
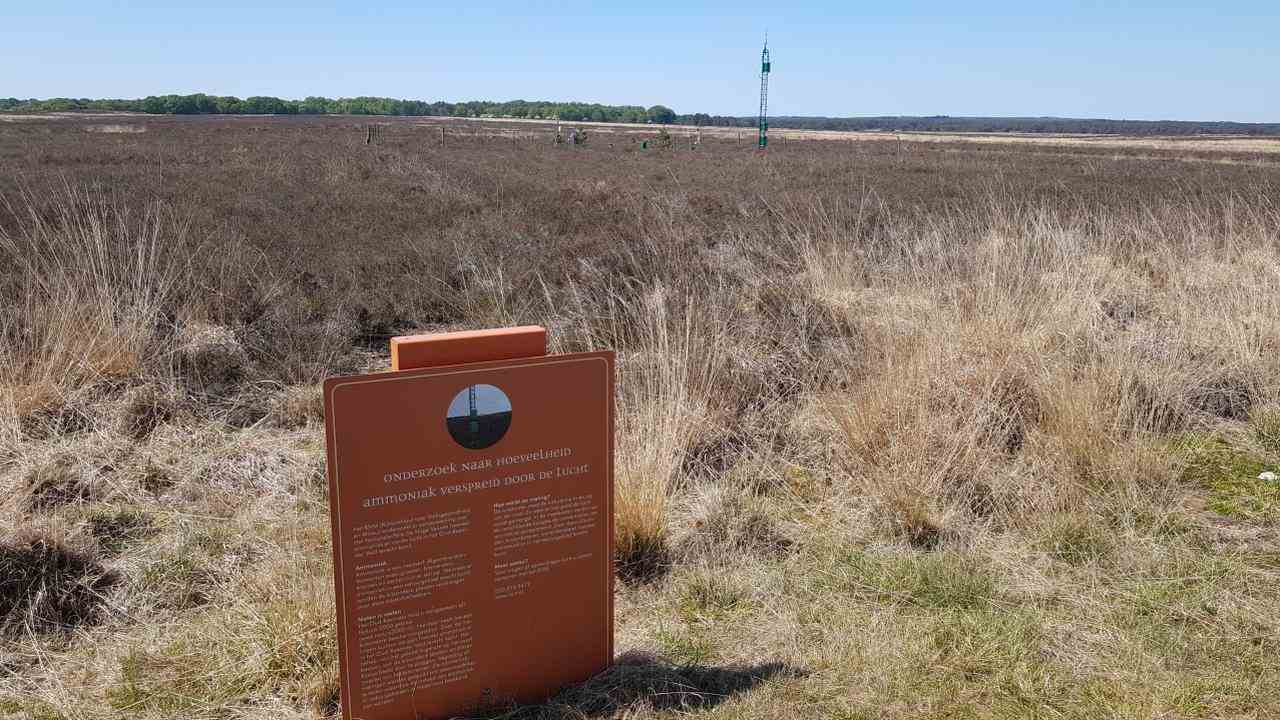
(1222, 143)
(1198, 143)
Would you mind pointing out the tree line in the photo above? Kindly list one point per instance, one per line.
(1048, 125)
(200, 103)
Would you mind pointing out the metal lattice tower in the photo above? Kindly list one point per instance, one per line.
(764, 95)
(474, 424)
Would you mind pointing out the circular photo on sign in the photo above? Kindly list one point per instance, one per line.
(479, 416)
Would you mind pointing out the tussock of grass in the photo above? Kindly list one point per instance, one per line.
(49, 587)
(144, 409)
(726, 523)
(93, 278)
(663, 410)
(710, 596)
(1266, 429)
(297, 407)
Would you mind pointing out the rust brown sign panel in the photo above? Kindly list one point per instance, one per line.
(472, 532)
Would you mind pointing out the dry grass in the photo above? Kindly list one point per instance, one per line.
(88, 282)
(952, 435)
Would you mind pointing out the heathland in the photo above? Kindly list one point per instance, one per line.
(931, 430)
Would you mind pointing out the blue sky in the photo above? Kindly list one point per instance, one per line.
(1115, 59)
(489, 399)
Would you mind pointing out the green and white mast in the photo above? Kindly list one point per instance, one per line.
(764, 94)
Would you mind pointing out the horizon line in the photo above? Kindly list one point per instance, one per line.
(7, 106)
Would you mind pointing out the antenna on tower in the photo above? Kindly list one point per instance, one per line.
(764, 93)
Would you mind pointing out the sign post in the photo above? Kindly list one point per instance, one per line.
(471, 501)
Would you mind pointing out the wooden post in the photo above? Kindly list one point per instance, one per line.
(441, 136)
(368, 134)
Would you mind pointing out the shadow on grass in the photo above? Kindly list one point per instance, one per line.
(642, 680)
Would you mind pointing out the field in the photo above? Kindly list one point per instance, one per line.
(956, 428)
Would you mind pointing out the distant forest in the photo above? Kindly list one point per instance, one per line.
(200, 103)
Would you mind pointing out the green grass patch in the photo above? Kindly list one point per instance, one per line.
(999, 661)
(934, 580)
(1075, 539)
(168, 681)
(176, 580)
(1203, 618)
(1173, 601)
(28, 709)
(707, 597)
(1230, 474)
(705, 603)
(118, 527)
(1183, 589)
(686, 645)
(984, 643)
(183, 575)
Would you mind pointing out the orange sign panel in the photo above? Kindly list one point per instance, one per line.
(419, 351)
(472, 511)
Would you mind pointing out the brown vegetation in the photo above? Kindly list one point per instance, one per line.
(955, 431)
